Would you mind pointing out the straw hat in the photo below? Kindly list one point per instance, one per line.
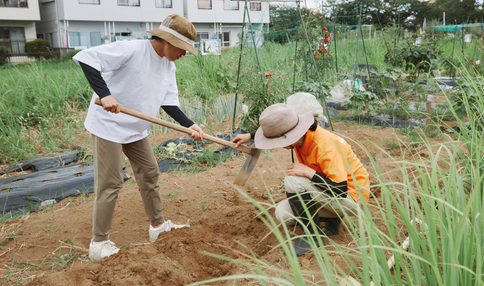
(281, 126)
(178, 31)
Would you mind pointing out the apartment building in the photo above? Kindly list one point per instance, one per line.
(87, 23)
(17, 23)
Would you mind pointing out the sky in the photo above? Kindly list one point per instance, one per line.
(312, 3)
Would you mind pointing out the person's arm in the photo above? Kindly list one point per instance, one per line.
(326, 184)
(100, 87)
(176, 113)
(242, 138)
(95, 79)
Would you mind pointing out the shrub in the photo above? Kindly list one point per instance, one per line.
(68, 56)
(412, 57)
(4, 52)
(39, 48)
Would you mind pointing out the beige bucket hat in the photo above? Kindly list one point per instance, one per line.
(178, 31)
(281, 126)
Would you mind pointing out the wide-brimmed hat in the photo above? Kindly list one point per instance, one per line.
(281, 126)
(178, 31)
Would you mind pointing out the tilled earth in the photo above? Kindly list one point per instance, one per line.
(51, 247)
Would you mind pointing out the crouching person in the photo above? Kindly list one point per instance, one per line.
(325, 179)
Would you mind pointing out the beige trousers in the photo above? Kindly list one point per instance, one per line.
(108, 181)
(329, 206)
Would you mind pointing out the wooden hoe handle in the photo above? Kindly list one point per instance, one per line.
(180, 128)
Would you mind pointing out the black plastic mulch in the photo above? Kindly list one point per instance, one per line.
(384, 120)
(55, 177)
(45, 162)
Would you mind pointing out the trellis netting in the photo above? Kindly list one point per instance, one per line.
(296, 52)
(466, 41)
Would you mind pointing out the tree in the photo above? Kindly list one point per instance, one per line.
(408, 13)
(380, 13)
(459, 12)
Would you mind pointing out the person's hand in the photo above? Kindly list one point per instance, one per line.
(240, 139)
(300, 170)
(198, 134)
(110, 104)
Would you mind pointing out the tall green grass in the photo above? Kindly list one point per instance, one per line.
(39, 108)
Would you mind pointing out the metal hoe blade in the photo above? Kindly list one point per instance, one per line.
(247, 168)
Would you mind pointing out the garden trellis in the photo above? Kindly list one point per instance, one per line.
(470, 40)
(253, 42)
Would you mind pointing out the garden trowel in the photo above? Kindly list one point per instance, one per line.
(246, 168)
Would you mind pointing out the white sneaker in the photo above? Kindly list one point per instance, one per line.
(166, 226)
(101, 249)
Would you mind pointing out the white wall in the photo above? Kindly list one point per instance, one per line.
(21, 14)
(219, 15)
(75, 17)
(109, 10)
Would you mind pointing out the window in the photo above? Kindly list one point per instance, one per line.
(128, 3)
(255, 6)
(14, 3)
(74, 39)
(205, 4)
(95, 39)
(231, 5)
(200, 36)
(82, 39)
(13, 38)
(94, 2)
(163, 4)
(225, 38)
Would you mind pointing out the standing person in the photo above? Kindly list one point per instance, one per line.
(325, 178)
(139, 75)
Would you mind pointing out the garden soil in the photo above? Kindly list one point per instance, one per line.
(222, 222)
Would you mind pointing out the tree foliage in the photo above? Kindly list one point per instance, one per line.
(377, 12)
(407, 13)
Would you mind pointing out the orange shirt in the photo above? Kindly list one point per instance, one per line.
(332, 156)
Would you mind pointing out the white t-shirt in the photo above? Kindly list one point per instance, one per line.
(138, 78)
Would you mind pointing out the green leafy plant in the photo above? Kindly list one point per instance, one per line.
(320, 90)
(259, 96)
(414, 58)
(208, 158)
(360, 101)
